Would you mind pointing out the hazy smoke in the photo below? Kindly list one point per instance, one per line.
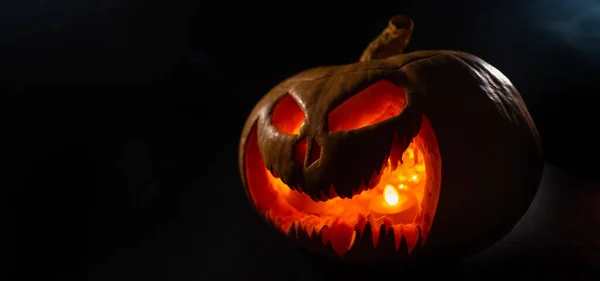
(575, 23)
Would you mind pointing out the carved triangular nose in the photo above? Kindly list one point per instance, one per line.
(307, 152)
(313, 154)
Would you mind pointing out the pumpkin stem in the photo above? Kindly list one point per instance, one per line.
(392, 41)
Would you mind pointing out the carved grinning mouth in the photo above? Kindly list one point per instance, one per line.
(387, 214)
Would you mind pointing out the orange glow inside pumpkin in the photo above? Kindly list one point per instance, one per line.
(374, 104)
(398, 194)
(287, 116)
(395, 201)
(403, 201)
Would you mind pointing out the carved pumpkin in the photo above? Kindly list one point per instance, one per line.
(426, 154)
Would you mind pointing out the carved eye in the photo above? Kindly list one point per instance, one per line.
(374, 104)
(287, 115)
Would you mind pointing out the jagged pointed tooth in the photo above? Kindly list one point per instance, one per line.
(362, 187)
(299, 188)
(350, 193)
(317, 229)
(276, 223)
(292, 230)
(267, 215)
(396, 231)
(375, 178)
(318, 197)
(275, 174)
(365, 183)
(341, 193)
(394, 164)
(314, 198)
(324, 196)
(374, 175)
(353, 192)
(296, 228)
(360, 225)
(394, 158)
(420, 238)
(332, 192)
(359, 189)
(352, 240)
(299, 226)
(308, 228)
(412, 236)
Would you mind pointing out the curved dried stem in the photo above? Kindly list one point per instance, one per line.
(392, 41)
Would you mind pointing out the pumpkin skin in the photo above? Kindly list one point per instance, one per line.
(321, 149)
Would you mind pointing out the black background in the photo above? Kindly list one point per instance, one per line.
(122, 120)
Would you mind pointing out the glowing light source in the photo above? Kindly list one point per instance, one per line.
(397, 203)
(390, 195)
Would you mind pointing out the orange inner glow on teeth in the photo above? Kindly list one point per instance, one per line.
(395, 203)
(406, 182)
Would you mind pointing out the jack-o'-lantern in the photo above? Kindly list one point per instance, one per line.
(425, 154)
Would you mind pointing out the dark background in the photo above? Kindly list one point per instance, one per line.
(121, 121)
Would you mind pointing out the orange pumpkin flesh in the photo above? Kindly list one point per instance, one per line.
(396, 204)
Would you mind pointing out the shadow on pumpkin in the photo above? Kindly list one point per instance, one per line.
(557, 239)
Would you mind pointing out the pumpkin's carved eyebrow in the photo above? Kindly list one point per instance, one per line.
(380, 101)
